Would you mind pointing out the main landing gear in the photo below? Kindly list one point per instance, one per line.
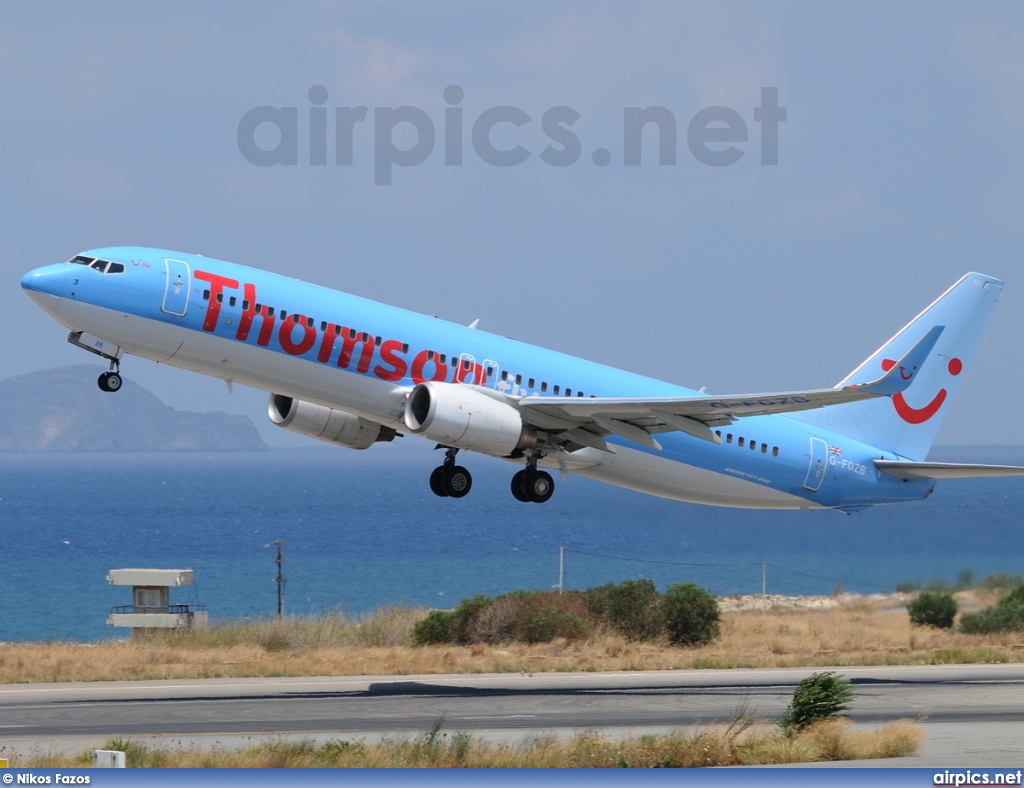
(530, 485)
(449, 480)
(111, 381)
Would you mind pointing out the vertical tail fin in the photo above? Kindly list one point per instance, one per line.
(906, 424)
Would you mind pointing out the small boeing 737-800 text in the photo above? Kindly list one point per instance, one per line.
(353, 372)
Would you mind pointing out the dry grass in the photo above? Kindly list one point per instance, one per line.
(854, 633)
(733, 745)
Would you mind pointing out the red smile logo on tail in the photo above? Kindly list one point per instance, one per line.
(920, 415)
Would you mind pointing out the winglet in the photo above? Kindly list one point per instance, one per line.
(902, 373)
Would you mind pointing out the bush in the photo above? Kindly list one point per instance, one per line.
(630, 608)
(691, 615)
(435, 628)
(544, 616)
(933, 609)
(1007, 615)
(817, 697)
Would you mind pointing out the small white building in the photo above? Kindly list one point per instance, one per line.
(151, 606)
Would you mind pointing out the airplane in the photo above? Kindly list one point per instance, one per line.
(354, 372)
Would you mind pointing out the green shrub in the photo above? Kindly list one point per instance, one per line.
(1007, 615)
(691, 615)
(933, 609)
(1001, 580)
(465, 618)
(544, 616)
(817, 697)
(907, 587)
(434, 629)
(630, 608)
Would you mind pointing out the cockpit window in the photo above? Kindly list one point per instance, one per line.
(103, 266)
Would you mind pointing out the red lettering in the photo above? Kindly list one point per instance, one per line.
(284, 336)
(390, 353)
(421, 360)
(248, 311)
(327, 344)
(348, 346)
(217, 286)
(474, 371)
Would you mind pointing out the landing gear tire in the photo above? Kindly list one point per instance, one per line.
(532, 486)
(109, 381)
(456, 481)
(437, 483)
(539, 486)
(517, 487)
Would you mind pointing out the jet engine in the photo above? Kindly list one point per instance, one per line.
(326, 424)
(467, 418)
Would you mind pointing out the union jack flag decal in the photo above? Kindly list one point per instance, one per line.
(836, 450)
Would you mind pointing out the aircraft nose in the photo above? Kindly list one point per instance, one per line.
(45, 285)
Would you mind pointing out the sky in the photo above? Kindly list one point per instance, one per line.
(900, 166)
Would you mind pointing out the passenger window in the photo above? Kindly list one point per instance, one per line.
(284, 315)
(232, 301)
(728, 438)
(739, 441)
(376, 340)
(220, 298)
(543, 387)
(366, 337)
(718, 433)
(270, 311)
(753, 445)
(323, 326)
(444, 358)
(568, 392)
(295, 317)
(430, 355)
(405, 347)
(580, 394)
(764, 448)
(310, 321)
(504, 374)
(259, 309)
(206, 295)
(531, 383)
(519, 380)
(245, 305)
(556, 390)
(337, 331)
(775, 451)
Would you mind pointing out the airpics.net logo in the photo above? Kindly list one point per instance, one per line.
(716, 136)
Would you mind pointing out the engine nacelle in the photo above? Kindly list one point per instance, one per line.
(461, 416)
(326, 424)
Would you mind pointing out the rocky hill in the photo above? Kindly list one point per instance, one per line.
(62, 409)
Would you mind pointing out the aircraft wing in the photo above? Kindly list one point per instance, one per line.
(587, 419)
(915, 471)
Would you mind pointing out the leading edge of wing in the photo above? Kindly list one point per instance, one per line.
(705, 412)
(917, 471)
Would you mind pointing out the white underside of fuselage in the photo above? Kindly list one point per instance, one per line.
(384, 402)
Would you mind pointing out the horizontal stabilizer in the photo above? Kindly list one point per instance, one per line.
(916, 471)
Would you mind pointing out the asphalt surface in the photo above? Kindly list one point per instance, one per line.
(974, 714)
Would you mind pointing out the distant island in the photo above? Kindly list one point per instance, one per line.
(62, 409)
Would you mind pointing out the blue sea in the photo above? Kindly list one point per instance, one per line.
(361, 530)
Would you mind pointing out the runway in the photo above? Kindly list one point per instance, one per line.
(973, 713)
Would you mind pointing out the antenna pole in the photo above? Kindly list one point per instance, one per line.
(561, 569)
(280, 579)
